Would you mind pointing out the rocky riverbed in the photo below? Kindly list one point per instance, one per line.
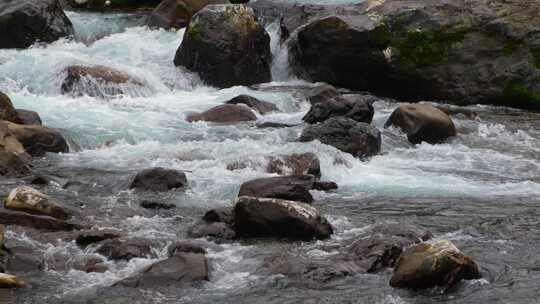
(269, 152)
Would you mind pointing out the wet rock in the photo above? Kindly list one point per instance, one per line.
(103, 5)
(419, 50)
(356, 107)
(177, 13)
(24, 22)
(126, 249)
(263, 217)
(38, 140)
(98, 81)
(24, 259)
(216, 230)
(12, 164)
(179, 269)
(431, 265)
(220, 215)
(320, 94)
(10, 217)
(159, 179)
(28, 117)
(7, 111)
(156, 205)
(295, 164)
(27, 199)
(270, 124)
(283, 187)
(185, 247)
(9, 143)
(237, 54)
(422, 122)
(224, 114)
(89, 263)
(87, 237)
(357, 138)
(260, 106)
(10, 281)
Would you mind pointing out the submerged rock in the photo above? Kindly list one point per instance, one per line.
(24, 22)
(266, 217)
(159, 179)
(27, 199)
(422, 122)
(431, 265)
(12, 164)
(237, 54)
(357, 138)
(295, 165)
(260, 106)
(24, 259)
(85, 238)
(177, 13)
(38, 140)
(224, 114)
(10, 281)
(179, 269)
(220, 215)
(216, 230)
(98, 81)
(462, 51)
(185, 247)
(156, 205)
(126, 249)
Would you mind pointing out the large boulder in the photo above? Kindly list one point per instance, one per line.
(227, 113)
(177, 13)
(99, 81)
(282, 187)
(431, 265)
(27, 199)
(357, 138)
(159, 179)
(7, 110)
(422, 122)
(356, 107)
(27, 117)
(181, 268)
(236, 54)
(462, 51)
(267, 217)
(38, 140)
(24, 22)
(260, 106)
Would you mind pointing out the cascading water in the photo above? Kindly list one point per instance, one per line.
(490, 170)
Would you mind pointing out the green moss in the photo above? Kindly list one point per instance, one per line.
(517, 94)
(425, 48)
(194, 32)
(511, 46)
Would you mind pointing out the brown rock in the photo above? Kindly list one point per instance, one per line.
(224, 114)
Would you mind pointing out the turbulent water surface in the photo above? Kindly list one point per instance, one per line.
(479, 190)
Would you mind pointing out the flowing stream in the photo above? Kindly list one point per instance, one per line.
(480, 190)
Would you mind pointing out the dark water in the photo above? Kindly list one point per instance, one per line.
(480, 190)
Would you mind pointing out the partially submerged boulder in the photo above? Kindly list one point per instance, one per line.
(27, 117)
(87, 237)
(356, 107)
(227, 113)
(214, 230)
(282, 187)
(7, 110)
(260, 106)
(181, 268)
(430, 265)
(267, 217)
(295, 165)
(27, 199)
(237, 54)
(99, 81)
(220, 215)
(422, 122)
(24, 22)
(126, 249)
(38, 140)
(177, 13)
(359, 139)
(12, 164)
(462, 51)
(11, 217)
(102, 5)
(159, 179)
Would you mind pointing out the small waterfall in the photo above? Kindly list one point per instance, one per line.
(280, 53)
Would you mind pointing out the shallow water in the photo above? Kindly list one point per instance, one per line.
(480, 189)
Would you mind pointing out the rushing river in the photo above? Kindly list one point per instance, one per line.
(480, 190)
